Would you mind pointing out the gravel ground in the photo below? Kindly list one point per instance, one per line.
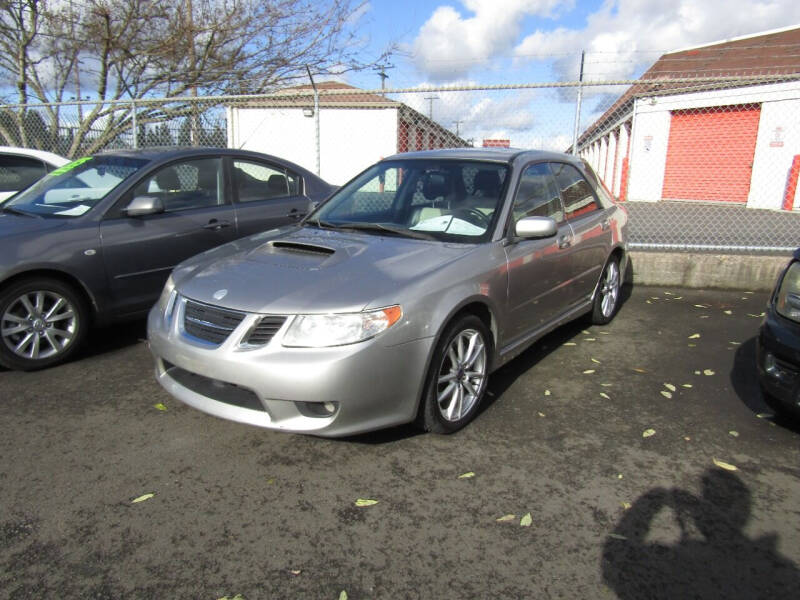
(590, 473)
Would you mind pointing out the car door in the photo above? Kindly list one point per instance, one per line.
(140, 252)
(266, 195)
(537, 269)
(591, 241)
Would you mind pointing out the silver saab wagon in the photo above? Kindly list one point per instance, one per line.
(395, 299)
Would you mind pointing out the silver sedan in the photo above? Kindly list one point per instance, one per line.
(394, 300)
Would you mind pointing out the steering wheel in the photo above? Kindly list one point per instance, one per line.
(472, 216)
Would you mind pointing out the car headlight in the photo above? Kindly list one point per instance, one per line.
(166, 302)
(319, 331)
(787, 302)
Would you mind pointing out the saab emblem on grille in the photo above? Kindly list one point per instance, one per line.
(220, 294)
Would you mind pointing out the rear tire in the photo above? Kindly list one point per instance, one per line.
(606, 298)
(43, 322)
(457, 376)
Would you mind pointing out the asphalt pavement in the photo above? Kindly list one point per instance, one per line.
(602, 466)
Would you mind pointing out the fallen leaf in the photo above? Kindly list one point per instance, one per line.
(640, 370)
(469, 475)
(617, 536)
(654, 298)
(619, 475)
(626, 505)
(506, 518)
(526, 520)
(588, 371)
(607, 384)
(697, 372)
(687, 438)
(142, 498)
(541, 414)
(295, 572)
(648, 302)
(748, 292)
(594, 360)
(669, 293)
(724, 465)
(692, 345)
(342, 595)
(670, 387)
(700, 306)
(735, 343)
(734, 433)
(756, 316)
(160, 406)
(704, 316)
(604, 395)
(708, 372)
(765, 415)
(694, 336)
(604, 333)
(648, 432)
(590, 339)
(687, 385)
(547, 392)
(570, 344)
(728, 312)
(585, 332)
(666, 394)
(365, 502)
(678, 298)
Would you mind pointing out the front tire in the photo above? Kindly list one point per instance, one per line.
(43, 322)
(606, 298)
(457, 377)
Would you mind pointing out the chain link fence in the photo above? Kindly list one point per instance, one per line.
(702, 163)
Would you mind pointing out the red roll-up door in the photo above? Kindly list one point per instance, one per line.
(710, 153)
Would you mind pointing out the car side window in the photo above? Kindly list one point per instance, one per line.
(576, 192)
(258, 181)
(537, 195)
(185, 185)
(19, 172)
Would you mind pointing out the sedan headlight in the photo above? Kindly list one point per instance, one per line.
(166, 302)
(319, 331)
(787, 302)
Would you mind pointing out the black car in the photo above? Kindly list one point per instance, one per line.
(778, 353)
(95, 240)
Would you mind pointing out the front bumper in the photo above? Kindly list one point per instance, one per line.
(325, 391)
(778, 361)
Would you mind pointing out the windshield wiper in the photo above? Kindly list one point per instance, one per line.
(383, 228)
(16, 211)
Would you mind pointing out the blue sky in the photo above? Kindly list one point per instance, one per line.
(485, 42)
(504, 41)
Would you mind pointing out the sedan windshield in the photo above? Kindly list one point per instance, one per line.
(446, 200)
(75, 188)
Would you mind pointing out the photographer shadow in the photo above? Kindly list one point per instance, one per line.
(713, 557)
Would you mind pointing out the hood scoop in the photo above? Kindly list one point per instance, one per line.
(302, 248)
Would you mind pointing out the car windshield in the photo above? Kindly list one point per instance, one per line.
(75, 188)
(445, 200)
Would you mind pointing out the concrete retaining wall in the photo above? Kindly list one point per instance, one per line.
(706, 271)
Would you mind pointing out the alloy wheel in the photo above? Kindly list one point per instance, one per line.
(609, 290)
(462, 375)
(38, 324)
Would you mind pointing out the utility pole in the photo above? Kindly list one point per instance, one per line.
(381, 68)
(457, 124)
(578, 108)
(430, 100)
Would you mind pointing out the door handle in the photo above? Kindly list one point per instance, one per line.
(215, 225)
(564, 241)
(295, 215)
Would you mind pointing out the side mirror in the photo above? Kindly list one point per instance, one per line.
(536, 228)
(144, 205)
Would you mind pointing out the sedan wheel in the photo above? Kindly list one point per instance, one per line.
(458, 379)
(41, 323)
(606, 298)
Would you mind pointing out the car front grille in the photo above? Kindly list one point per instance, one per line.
(264, 331)
(210, 323)
(221, 391)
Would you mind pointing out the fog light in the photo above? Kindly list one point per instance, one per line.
(329, 406)
(772, 368)
(317, 409)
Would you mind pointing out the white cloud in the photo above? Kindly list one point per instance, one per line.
(449, 45)
(625, 36)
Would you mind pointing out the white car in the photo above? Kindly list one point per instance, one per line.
(22, 167)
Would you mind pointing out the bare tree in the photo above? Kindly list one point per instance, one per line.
(115, 50)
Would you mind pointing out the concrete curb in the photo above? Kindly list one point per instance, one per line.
(706, 271)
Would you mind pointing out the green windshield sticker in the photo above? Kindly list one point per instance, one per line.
(70, 166)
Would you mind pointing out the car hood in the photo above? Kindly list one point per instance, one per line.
(11, 224)
(307, 270)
